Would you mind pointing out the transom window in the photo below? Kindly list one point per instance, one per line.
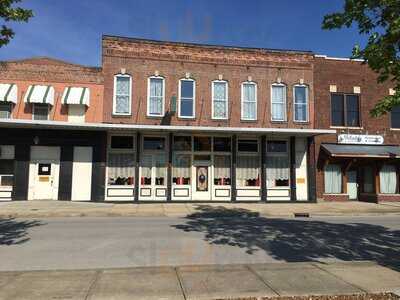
(300, 93)
(345, 110)
(219, 100)
(278, 102)
(122, 94)
(395, 117)
(186, 98)
(153, 143)
(156, 94)
(249, 101)
(121, 142)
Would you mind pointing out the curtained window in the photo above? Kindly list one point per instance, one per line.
(278, 102)
(277, 161)
(249, 101)
(160, 164)
(181, 167)
(121, 168)
(122, 94)
(300, 103)
(220, 99)
(333, 179)
(146, 169)
(388, 179)
(247, 171)
(222, 170)
(155, 105)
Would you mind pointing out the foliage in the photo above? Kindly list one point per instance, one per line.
(9, 13)
(379, 20)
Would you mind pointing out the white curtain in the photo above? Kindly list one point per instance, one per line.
(220, 100)
(181, 166)
(333, 179)
(161, 165)
(278, 102)
(146, 165)
(300, 102)
(222, 166)
(122, 95)
(249, 101)
(277, 167)
(121, 165)
(388, 179)
(247, 169)
(156, 96)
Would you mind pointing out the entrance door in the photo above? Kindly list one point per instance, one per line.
(352, 186)
(201, 186)
(45, 180)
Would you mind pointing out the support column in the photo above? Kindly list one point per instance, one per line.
(233, 169)
(137, 166)
(99, 168)
(293, 196)
(311, 170)
(65, 184)
(21, 172)
(263, 168)
(169, 168)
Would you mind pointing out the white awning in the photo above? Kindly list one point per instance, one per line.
(40, 94)
(76, 95)
(8, 92)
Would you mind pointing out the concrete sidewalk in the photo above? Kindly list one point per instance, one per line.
(202, 282)
(74, 209)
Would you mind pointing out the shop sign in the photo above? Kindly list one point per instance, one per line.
(362, 139)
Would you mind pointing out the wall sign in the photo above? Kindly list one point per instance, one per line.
(363, 139)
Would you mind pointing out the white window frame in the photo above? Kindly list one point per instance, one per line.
(284, 102)
(40, 104)
(148, 96)
(115, 95)
(180, 99)
(307, 103)
(243, 100)
(212, 99)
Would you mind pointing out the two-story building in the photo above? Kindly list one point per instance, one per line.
(360, 161)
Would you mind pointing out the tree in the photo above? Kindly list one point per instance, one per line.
(379, 20)
(9, 13)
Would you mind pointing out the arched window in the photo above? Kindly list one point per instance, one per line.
(278, 102)
(156, 96)
(187, 98)
(300, 103)
(220, 105)
(249, 101)
(122, 94)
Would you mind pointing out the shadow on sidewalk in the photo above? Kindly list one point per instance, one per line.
(293, 240)
(14, 232)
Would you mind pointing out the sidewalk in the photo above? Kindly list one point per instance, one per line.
(202, 282)
(26, 209)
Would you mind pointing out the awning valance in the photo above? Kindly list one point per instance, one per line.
(377, 151)
(40, 94)
(8, 92)
(76, 95)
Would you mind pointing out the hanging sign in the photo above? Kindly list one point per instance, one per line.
(362, 139)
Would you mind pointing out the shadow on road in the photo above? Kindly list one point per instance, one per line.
(14, 232)
(294, 240)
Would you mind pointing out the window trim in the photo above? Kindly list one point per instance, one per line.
(40, 104)
(345, 110)
(242, 101)
(180, 99)
(212, 100)
(148, 97)
(114, 112)
(285, 102)
(307, 104)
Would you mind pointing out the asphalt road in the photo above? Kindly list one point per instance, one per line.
(203, 238)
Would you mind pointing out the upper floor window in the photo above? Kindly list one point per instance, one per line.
(345, 110)
(40, 111)
(156, 95)
(187, 98)
(249, 101)
(122, 94)
(300, 94)
(219, 99)
(5, 110)
(395, 117)
(278, 102)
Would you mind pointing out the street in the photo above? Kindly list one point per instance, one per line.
(210, 236)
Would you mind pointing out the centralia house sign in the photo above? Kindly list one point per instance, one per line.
(360, 139)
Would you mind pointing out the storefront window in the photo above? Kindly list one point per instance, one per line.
(181, 167)
(248, 171)
(202, 143)
(182, 143)
(154, 143)
(121, 142)
(146, 167)
(277, 164)
(121, 161)
(333, 179)
(6, 172)
(222, 144)
(248, 146)
(161, 169)
(222, 170)
(388, 179)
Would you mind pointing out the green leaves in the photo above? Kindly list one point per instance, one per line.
(380, 21)
(8, 13)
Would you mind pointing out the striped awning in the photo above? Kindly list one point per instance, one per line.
(76, 95)
(40, 94)
(8, 92)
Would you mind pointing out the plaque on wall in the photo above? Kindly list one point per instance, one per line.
(202, 179)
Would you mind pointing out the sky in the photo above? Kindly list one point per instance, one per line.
(72, 30)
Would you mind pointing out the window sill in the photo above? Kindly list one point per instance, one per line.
(395, 129)
(186, 118)
(121, 115)
(279, 122)
(248, 121)
(154, 117)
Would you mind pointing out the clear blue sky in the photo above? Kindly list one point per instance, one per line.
(72, 29)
